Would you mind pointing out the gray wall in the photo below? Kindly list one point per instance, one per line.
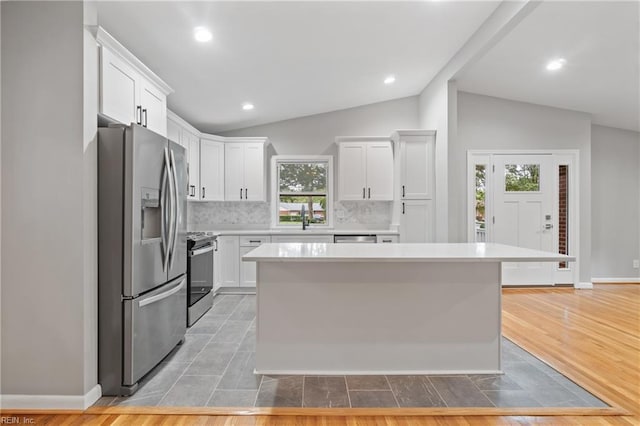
(315, 134)
(492, 123)
(615, 176)
(47, 273)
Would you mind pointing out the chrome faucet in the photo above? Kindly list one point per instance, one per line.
(304, 218)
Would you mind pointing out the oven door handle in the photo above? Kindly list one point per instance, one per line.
(201, 251)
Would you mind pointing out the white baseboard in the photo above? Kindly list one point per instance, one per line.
(583, 285)
(51, 402)
(616, 280)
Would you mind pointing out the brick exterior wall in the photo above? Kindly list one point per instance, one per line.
(563, 214)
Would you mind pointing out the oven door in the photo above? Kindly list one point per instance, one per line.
(200, 273)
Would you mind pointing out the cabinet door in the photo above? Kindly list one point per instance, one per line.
(379, 171)
(416, 221)
(247, 269)
(194, 165)
(254, 179)
(228, 246)
(217, 267)
(212, 170)
(154, 107)
(119, 90)
(352, 171)
(233, 172)
(174, 132)
(417, 169)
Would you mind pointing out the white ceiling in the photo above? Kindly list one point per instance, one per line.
(599, 40)
(290, 58)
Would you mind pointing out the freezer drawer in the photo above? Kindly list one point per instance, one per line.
(154, 324)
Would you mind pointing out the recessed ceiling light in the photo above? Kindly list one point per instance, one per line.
(247, 106)
(202, 34)
(556, 64)
(389, 80)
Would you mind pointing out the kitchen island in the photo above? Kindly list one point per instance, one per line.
(381, 308)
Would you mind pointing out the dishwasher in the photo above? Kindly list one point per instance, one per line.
(358, 239)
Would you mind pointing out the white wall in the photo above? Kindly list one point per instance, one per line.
(615, 177)
(315, 134)
(492, 123)
(48, 198)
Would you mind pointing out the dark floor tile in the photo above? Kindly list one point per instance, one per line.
(325, 391)
(511, 398)
(212, 360)
(459, 391)
(249, 341)
(104, 401)
(233, 398)
(557, 397)
(190, 391)
(161, 378)
(187, 351)
(143, 401)
(494, 382)
(529, 377)
(367, 383)
(246, 310)
(239, 373)
(414, 391)
(225, 304)
(231, 331)
(372, 399)
(207, 325)
(280, 392)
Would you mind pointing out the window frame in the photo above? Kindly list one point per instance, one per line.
(275, 188)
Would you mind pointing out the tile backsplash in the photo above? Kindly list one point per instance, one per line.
(256, 215)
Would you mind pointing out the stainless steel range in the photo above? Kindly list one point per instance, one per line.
(200, 248)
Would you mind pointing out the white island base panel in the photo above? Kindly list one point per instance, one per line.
(378, 318)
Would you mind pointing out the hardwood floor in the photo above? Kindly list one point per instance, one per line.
(591, 336)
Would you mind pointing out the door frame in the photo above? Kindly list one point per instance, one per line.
(569, 157)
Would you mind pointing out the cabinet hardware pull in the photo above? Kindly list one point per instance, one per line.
(254, 241)
(215, 245)
(246, 197)
(369, 193)
(402, 208)
(241, 193)
(139, 114)
(203, 192)
(363, 194)
(144, 111)
(402, 191)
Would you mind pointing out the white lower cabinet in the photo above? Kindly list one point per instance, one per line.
(229, 264)
(387, 239)
(248, 269)
(416, 221)
(302, 239)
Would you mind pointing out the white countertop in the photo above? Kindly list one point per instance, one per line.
(298, 231)
(463, 252)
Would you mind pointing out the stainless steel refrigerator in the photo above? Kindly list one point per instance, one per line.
(142, 203)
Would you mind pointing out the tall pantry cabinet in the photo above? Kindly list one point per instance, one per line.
(415, 174)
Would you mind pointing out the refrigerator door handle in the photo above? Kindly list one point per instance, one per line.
(174, 236)
(164, 295)
(166, 184)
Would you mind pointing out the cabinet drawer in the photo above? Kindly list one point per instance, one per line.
(254, 240)
(387, 238)
(303, 239)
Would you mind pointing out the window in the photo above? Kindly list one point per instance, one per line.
(522, 177)
(302, 189)
(480, 223)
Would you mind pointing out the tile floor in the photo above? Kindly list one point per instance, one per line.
(214, 367)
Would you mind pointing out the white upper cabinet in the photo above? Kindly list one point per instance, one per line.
(417, 165)
(211, 168)
(129, 91)
(244, 171)
(193, 142)
(365, 168)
